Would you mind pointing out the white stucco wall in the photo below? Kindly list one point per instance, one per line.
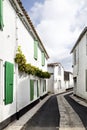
(81, 69)
(66, 84)
(7, 52)
(23, 92)
(51, 84)
(54, 85)
(60, 80)
(51, 80)
(69, 83)
(76, 67)
(26, 41)
(14, 33)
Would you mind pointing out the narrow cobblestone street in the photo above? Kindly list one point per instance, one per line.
(59, 112)
(69, 120)
(55, 115)
(81, 110)
(46, 118)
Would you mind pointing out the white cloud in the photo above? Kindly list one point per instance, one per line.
(59, 23)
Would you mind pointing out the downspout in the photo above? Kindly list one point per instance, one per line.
(53, 79)
(78, 60)
(16, 66)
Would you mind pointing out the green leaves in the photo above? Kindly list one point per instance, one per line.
(28, 68)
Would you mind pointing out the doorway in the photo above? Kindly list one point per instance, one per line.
(75, 84)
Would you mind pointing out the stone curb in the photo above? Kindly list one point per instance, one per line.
(79, 100)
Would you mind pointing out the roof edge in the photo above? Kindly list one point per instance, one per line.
(31, 24)
(79, 38)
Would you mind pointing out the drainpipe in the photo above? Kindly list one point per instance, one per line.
(16, 67)
(78, 60)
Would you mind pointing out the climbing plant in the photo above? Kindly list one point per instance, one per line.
(23, 66)
(20, 60)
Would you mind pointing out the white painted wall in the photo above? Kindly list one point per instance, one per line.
(71, 80)
(53, 82)
(7, 52)
(76, 67)
(23, 91)
(69, 83)
(81, 68)
(26, 41)
(60, 80)
(14, 33)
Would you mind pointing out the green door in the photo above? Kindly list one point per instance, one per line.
(31, 90)
(9, 76)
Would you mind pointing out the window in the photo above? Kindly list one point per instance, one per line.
(35, 50)
(75, 57)
(9, 76)
(59, 70)
(43, 59)
(1, 14)
(75, 84)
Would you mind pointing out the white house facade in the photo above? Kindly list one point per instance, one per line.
(79, 52)
(68, 79)
(56, 81)
(17, 89)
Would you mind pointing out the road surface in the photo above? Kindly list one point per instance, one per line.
(60, 112)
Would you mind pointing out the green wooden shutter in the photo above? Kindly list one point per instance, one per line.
(37, 90)
(9, 76)
(35, 50)
(1, 14)
(43, 59)
(31, 90)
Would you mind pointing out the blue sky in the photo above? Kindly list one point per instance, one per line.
(29, 3)
(58, 23)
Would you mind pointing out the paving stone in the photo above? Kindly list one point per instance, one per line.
(68, 117)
